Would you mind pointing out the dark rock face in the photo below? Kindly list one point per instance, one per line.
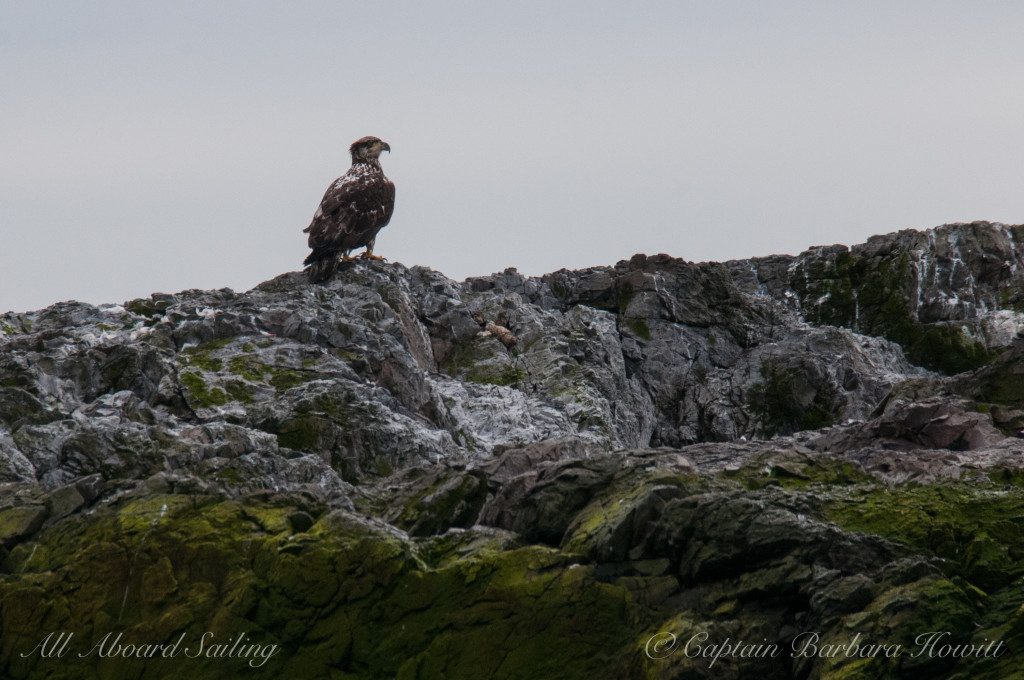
(951, 296)
(398, 475)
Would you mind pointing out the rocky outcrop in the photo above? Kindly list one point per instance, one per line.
(398, 475)
(671, 353)
(950, 296)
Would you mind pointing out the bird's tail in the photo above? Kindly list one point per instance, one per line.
(321, 266)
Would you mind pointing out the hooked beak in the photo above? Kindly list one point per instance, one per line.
(384, 146)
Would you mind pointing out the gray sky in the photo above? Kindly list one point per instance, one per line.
(158, 146)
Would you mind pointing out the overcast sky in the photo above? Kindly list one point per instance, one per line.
(159, 146)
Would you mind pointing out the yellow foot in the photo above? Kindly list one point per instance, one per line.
(367, 255)
(347, 258)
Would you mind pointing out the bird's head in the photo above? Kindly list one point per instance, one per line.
(368, 149)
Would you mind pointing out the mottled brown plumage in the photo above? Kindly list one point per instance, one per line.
(355, 207)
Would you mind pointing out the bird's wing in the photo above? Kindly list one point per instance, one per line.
(331, 225)
(387, 203)
(354, 208)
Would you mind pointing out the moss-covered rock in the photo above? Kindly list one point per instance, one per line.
(329, 600)
(975, 527)
(881, 294)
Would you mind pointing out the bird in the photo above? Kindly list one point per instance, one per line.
(354, 208)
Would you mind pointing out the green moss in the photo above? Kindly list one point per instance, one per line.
(351, 599)
(150, 569)
(626, 293)
(211, 346)
(286, 378)
(247, 366)
(777, 402)
(507, 376)
(590, 531)
(21, 521)
(200, 355)
(949, 349)
(872, 296)
(201, 394)
(230, 475)
(978, 529)
(1003, 476)
(446, 549)
(793, 470)
(145, 307)
(462, 356)
(900, 615)
(205, 362)
(1004, 385)
(855, 292)
(1010, 298)
(534, 585)
(240, 391)
(608, 517)
(639, 328)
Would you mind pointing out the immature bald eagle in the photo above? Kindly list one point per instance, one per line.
(355, 207)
